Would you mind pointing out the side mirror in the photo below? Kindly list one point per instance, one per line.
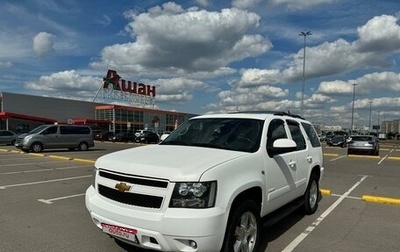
(283, 145)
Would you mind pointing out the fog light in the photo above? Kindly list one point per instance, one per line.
(193, 244)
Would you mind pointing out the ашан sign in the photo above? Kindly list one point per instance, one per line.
(119, 84)
(119, 89)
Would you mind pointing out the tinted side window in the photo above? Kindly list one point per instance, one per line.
(297, 136)
(51, 130)
(68, 130)
(312, 135)
(276, 130)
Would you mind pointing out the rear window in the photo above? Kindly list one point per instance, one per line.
(312, 135)
(361, 138)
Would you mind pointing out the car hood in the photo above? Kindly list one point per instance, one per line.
(175, 163)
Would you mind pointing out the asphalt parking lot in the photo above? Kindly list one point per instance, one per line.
(42, 204)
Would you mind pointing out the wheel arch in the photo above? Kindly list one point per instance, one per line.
(252, 193)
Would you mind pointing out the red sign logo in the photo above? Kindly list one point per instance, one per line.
(114, 80)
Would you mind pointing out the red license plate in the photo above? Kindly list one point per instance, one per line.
(121, 232)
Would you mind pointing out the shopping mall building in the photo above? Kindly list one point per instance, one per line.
(21, 113)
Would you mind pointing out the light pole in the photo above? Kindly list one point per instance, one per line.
(352, 109)
(304, 34)
(369, 125)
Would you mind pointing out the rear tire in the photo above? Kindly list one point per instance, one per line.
(83, 146)
(243, 229)
(311, 196)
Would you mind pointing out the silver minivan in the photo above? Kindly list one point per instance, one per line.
(52, 136)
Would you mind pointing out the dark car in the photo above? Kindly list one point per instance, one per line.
(104, 136)
(147, 137)
(363, 144)
(124, 137)
(7, 137)
(338, 140)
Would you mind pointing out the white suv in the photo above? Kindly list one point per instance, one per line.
(207, 186)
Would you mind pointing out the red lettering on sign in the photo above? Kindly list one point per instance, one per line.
(114, 81)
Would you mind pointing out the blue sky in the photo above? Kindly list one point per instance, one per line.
(208, 56)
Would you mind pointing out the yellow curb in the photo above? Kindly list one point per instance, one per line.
(331, 154)
(84, 160)
(59, 157)
(394, 158)
(38, 155)
(364, 156)
(12, 151)
(325, 192)
(370, 198)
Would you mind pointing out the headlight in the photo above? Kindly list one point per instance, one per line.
(94, 177)
(194, 195)
(26, 139)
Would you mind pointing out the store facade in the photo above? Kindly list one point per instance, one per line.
(21, 113)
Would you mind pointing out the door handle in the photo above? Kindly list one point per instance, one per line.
(292, 164)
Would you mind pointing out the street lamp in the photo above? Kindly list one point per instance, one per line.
(369, 124)
(304, 34)
(352, 109)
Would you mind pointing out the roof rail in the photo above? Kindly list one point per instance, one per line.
(280, 113)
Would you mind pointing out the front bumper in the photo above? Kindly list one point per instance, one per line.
(171, 230)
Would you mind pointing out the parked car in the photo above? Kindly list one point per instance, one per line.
(7, 137)
(208, 186)
(147, 137)
(124, 137)
(52, 136)
(165, 135)
(104, 136)
(137, 133)
(338, 140)
(363, 144)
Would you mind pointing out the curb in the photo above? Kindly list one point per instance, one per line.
(325, 192)
(50, 156)
(384, 200)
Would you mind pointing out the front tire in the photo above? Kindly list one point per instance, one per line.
(37, 147)
(311, 196)
(243, 229)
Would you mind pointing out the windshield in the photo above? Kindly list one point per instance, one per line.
(221, 133)
(38, 129)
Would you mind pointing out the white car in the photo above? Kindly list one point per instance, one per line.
(164, 136)
(207, 186)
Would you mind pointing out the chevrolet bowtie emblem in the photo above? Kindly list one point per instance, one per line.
(122, 187)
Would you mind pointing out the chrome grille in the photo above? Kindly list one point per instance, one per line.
(135, 199)
(131, 198)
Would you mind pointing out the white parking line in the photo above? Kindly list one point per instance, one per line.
(383, 159)
(44, 170)
(30, 163)
(338, 158)
(43, 182)
(50, 201)
(309, 229)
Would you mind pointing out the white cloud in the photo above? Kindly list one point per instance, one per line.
(43, 44)
(380, 34)
(171, 41)
(301, 4)
(203, 3)
(177, 90)
(340, 56)
(384, 82)
(67, 84)
(244, 4)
